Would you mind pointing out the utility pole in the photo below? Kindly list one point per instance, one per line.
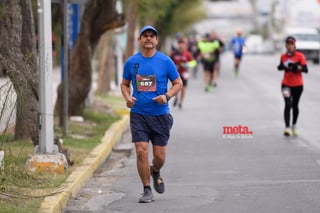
(65, 69)
(47, 158)
(45, 70)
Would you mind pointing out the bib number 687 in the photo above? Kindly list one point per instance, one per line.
(146, 83)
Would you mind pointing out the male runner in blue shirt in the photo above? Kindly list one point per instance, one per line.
(238, 45)
(150, 120)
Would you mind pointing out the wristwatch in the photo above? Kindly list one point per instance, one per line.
(167, 97)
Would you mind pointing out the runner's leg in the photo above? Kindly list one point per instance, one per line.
(142, 153)
(296, 94)
(159, 156)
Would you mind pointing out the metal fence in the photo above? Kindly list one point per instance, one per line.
(8, 102)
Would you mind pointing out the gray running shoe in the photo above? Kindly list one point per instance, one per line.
(147, 196)
(158, 183)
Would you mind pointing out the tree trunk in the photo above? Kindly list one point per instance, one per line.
(106, 65)
(99, 16)
(18, 57)
(132, 20)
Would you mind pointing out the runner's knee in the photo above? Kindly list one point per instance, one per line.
(142, 150)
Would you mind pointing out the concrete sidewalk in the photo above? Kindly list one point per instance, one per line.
(78, 178)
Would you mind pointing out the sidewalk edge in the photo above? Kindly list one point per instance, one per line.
(78, 178)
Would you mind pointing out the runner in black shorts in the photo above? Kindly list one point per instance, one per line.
(208, 49)
(218, 53)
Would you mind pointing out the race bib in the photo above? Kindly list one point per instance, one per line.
(146, 83)
(286, 92)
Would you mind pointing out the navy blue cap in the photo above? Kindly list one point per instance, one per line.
(148, 27)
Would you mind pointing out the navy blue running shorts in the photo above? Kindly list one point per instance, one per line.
(238, 57)
(151, 128)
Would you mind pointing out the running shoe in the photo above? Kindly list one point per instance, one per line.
(295, 131)
(208, 88)
(287, 132)
(147, 196)
(158, 183)
(236, 73)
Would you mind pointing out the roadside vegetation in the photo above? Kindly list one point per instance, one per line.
(22, 190)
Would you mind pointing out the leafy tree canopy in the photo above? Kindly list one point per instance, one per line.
(169, 16)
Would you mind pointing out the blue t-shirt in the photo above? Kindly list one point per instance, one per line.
(161, 68)
(237, 45)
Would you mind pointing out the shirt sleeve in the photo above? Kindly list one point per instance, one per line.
(172, 70)
(126, 71)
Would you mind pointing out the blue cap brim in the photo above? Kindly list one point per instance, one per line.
(150, 28)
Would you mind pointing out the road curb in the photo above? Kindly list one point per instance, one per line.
(78, 178)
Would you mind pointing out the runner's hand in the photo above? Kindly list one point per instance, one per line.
(131, 101)
(293, 67)
(161, 99)
(281, 67)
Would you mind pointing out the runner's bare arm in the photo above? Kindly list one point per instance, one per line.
(176, 87)
(126, 92)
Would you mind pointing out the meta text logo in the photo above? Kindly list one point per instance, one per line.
(237, 132)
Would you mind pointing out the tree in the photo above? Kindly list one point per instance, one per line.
(170, 16)
(99, 16)
(179, 16)
(18, 57)
(132, 22)
(106, 64)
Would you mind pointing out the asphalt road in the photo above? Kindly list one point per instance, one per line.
(208, 171)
